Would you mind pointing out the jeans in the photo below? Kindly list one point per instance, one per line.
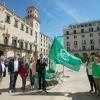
(97, 81)
(92, 82)
(13, 78)
(42, 80)
(32, 78)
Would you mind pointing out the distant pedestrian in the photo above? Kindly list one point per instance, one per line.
(24, 69)
(2, 68)
(13, 70)
(41, 68)
(32, 71)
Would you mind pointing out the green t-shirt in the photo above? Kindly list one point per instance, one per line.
(96, 70)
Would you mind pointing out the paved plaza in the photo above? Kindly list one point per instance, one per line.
(74, 87)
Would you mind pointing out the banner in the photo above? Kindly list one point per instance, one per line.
(96, 70)
(62, 56)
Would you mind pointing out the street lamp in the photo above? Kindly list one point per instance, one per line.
(35, 52)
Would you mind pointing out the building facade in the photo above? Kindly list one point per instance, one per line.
(44, 45)
(17, 34)
(83, 38)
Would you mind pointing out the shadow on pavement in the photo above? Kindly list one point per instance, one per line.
(83, 96)
(40, 93)
(17, 90)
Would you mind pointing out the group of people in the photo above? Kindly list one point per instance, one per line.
(35, 67)
(93, 72)
(21, 67)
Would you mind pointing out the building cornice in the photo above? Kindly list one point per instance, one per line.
(14, 14)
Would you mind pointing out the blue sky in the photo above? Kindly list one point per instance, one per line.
(56, 14)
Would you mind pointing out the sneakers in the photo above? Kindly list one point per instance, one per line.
(10, 91)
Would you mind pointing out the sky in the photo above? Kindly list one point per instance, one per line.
(57, 14)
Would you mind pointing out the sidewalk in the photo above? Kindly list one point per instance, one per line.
(75, 87)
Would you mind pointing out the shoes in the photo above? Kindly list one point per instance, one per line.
(32, 87)
(39, 88)
(10, 91)
(45, 91)
(91, 91)
(0, 93)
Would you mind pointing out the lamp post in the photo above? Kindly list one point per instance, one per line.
(35, 52)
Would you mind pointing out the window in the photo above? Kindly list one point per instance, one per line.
(26, 29)
(16, 23)
(83, 48)
(98, 28)
(8, 19)
(67, 32)
(91, 35)
(92, 47)
(22, 27)
(83, 42)
(67, 37)
(74, 31)
(75, 46)
(75, 37)
(30, 46)
(82, 25)
(14, 43)
(75, 43)
(83, 36)
(90, 24)
(82, 30)
(31, 33)
(85, 25)
(26, 46)
(99, 34)
(90, 29)
(68, 48)
(21, 44)
(92, 41)
(68, 43)
(36, 36)
(6, 41)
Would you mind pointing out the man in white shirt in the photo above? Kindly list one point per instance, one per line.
(2, 68)
(13, 69)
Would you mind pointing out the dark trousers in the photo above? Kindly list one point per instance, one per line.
(32, 78)
(92, 82)
(23, 82)
(13, 78)
(42, 81)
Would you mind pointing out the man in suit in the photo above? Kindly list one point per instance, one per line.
(2, 68)
(41, 68)
(13, 70)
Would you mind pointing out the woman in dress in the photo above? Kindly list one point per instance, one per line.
(24, 69)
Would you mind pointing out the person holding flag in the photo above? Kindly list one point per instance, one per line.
(90, 75)
(96, 73)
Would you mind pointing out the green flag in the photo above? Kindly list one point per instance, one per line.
(52, 65)
(96, 70)
(61, 56)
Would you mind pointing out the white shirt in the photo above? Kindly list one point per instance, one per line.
(41, 60)
(90, 69)
(16, 65)
(3, 66)
(31, 66)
